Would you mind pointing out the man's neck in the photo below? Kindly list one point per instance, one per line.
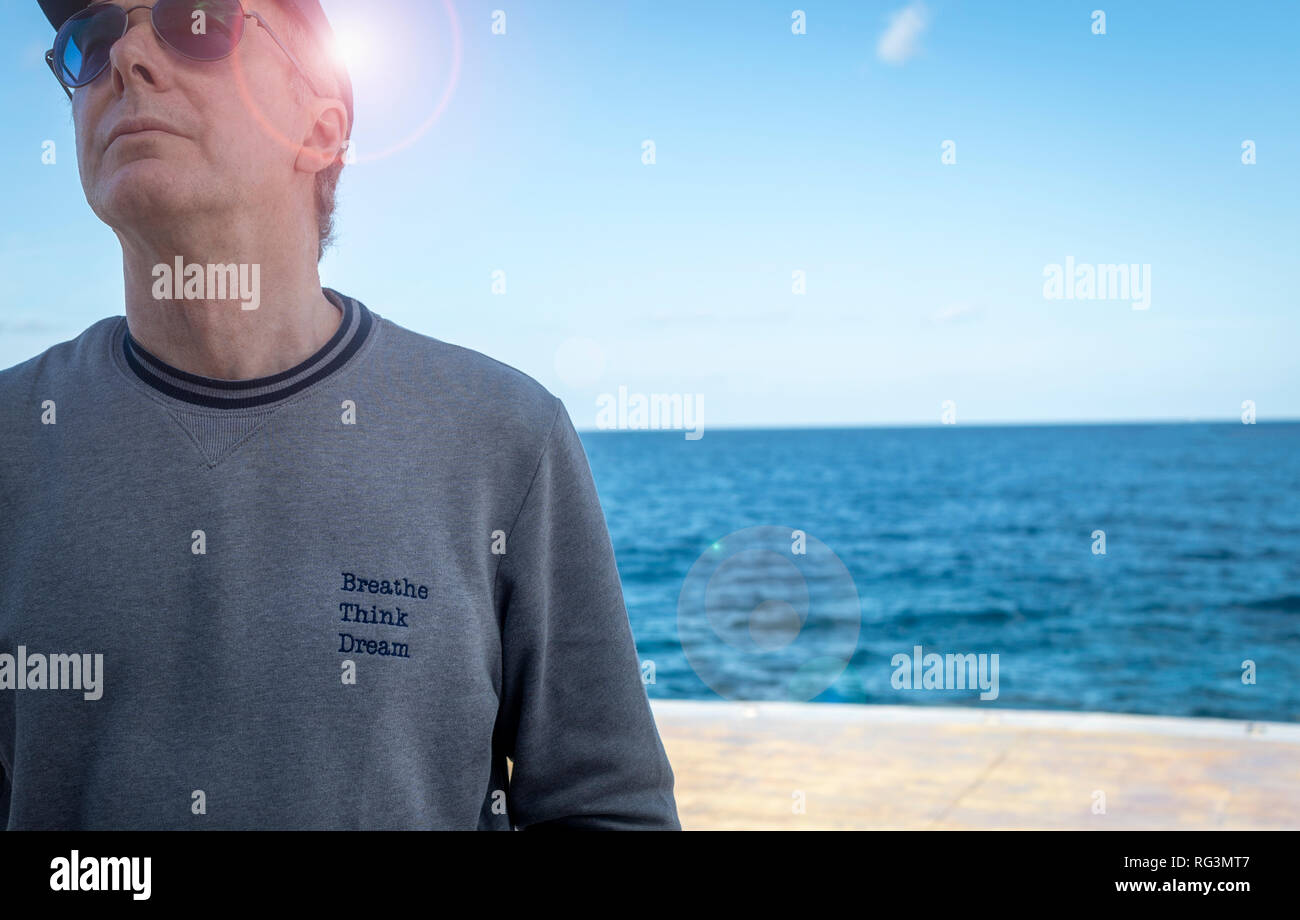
(215, 336)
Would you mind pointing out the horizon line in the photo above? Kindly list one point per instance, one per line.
(886, 426)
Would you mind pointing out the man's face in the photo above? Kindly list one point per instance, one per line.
(226, 147)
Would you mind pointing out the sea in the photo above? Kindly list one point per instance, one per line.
(1130, 568)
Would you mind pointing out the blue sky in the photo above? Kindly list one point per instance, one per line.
(778, 152)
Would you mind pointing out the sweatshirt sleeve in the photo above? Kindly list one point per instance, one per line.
(5, 793)
(577, 723)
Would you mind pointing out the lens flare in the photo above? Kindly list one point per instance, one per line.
(366, 55)
(372, 60)
(355, 49)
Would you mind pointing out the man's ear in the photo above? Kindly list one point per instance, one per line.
(326, 139)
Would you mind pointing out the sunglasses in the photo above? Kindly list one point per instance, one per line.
(198, 30)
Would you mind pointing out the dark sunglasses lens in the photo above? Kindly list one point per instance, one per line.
(81, 47)
(204, 30)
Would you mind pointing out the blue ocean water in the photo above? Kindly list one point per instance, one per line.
(966, 540)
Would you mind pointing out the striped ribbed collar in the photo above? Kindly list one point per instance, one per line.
(211, 393)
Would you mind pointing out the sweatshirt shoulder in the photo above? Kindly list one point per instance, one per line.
(58, 364)
(488, 394)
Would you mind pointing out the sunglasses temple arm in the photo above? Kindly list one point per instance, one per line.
(49, 62)
(289, 54)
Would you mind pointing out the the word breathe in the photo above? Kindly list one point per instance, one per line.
(105, 873)
(53, 672)
(399, 586)
(658, 410)
(946, 672)
(210, 282)
(1098, 282)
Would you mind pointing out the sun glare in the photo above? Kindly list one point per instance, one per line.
(354, 48)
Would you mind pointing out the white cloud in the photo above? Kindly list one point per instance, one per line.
(899, 41)
(955, 313)
(33, 56)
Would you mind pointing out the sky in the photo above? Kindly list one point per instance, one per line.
(823, 153)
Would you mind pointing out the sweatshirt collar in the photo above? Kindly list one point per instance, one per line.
(211, 393)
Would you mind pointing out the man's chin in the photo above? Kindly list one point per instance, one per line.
(144, 190)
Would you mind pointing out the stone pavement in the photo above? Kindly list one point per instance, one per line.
(754, 765)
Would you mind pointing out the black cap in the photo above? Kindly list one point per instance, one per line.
(59, 11)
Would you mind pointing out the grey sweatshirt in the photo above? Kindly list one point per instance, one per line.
(338, 597)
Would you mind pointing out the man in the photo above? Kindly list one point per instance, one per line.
(269, 560)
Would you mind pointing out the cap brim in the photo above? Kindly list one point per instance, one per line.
(58, 11)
